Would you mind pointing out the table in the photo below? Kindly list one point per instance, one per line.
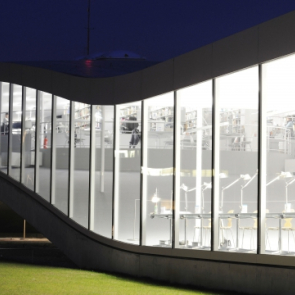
(169, 216)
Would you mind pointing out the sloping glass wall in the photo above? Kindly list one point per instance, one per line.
(190, 166)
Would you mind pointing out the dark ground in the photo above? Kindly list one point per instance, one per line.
(33, 249)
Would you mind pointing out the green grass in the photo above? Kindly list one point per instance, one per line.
(21, 279)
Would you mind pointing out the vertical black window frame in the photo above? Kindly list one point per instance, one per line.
(53, 151)
(115, 176)
(23, 134)
(2, 132)
(176, 174)
(37, 143)
(92, 170)
(216, 169)
(9, 152)
(262, 159)
(71, 160)
(141, 176)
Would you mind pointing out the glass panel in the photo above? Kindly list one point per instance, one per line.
(15, 156)
(81, 162)
(4, 126)
(29, 139)
(127, 185)
(45, 145)
(104, 124)
(158, 170)
(62, 144)
(237, 95)
(195, 144)
(279, 92)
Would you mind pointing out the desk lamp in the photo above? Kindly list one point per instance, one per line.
(208, 185)
(242, 176)
(205, 186)
(186, 190)
(156, 199)
(280, 176)
(286, 188)
(246, 177)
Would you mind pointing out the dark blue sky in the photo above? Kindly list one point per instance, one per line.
(156, 29)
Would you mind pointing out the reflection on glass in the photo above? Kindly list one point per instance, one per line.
(237, 95)
(4, 126)
(80, 153)
(43, 187)
(158, 170)
(61, 173)
(28, 140)
(127, 174)
(102, 207)
(195, 144)
(15, 154)
(279, 93)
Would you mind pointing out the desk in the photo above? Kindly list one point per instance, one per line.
(169, 216)
(165, 216)
(237, 216)
(200, 216)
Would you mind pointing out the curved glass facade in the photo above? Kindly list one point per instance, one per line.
(210, 167)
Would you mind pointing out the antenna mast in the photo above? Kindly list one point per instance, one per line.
(88, 29)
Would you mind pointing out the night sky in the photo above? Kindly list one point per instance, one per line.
(156, 29)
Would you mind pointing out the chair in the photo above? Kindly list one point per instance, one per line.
(206, 228)
(228, 226)
(251, 228)
(289, 228)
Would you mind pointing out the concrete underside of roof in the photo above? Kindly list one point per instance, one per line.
(90, 252)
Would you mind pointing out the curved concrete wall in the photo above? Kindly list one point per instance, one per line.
(258, 44)
(90, 251)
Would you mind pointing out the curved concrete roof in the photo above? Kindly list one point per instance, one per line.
(256, 45)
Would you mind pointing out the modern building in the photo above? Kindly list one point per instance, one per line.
(182, 172)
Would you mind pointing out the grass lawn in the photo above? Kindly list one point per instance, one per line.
(18, 279)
